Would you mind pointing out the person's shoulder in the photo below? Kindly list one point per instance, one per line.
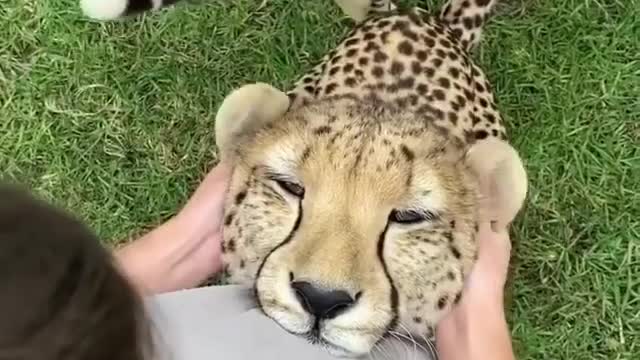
(36, 233)
(28, 218)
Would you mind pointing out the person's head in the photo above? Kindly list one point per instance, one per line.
(61, 294)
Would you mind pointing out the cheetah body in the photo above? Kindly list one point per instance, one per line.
(356, 195)
(413, 60)
(363, 188)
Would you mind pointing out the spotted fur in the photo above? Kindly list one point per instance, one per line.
(379, 127)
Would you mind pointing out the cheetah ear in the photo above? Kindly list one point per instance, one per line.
(502, 177)
(246, 109)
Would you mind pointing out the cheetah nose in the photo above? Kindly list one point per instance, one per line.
(324, 304)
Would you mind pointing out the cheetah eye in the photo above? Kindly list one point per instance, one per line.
(290, 187)
(411, 216)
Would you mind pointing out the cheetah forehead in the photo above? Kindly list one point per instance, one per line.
(347, 124)
(372, 144)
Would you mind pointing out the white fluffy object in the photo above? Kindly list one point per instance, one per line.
(104, 9)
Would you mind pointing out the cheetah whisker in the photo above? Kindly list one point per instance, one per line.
(401, 338)
(433, 351)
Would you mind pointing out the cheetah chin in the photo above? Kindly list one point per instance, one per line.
(356, 195)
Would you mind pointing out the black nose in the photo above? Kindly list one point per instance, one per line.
(325, 304)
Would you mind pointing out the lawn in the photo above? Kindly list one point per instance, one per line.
(115, 122)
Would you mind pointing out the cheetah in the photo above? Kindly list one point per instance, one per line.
(356, 194)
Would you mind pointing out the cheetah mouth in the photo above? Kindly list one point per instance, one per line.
(388, 344)
(404, 344)
(315, 337)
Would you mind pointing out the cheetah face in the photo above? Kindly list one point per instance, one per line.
(351, 221)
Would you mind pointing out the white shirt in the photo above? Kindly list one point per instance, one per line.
(221, 322)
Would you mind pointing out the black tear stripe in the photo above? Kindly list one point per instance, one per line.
(394, 291)
(296, 225)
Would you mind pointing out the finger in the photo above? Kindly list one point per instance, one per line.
(216, 178)
(204, 210)
(211, 191)
(493, 245)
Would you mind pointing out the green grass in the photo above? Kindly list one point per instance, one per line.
(115, 122)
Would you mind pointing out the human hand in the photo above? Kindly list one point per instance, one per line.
(200, 222)
(184, 251)
(488, 276)
(485, 284)
(476, 328)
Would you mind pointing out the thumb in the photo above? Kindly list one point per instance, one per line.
(494, 244)
(207, 202)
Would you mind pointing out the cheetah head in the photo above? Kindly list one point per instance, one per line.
(352, 220)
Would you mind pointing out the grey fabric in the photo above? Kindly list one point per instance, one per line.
(221, 322)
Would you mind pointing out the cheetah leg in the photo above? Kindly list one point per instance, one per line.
(467, 19)
(358, 10)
